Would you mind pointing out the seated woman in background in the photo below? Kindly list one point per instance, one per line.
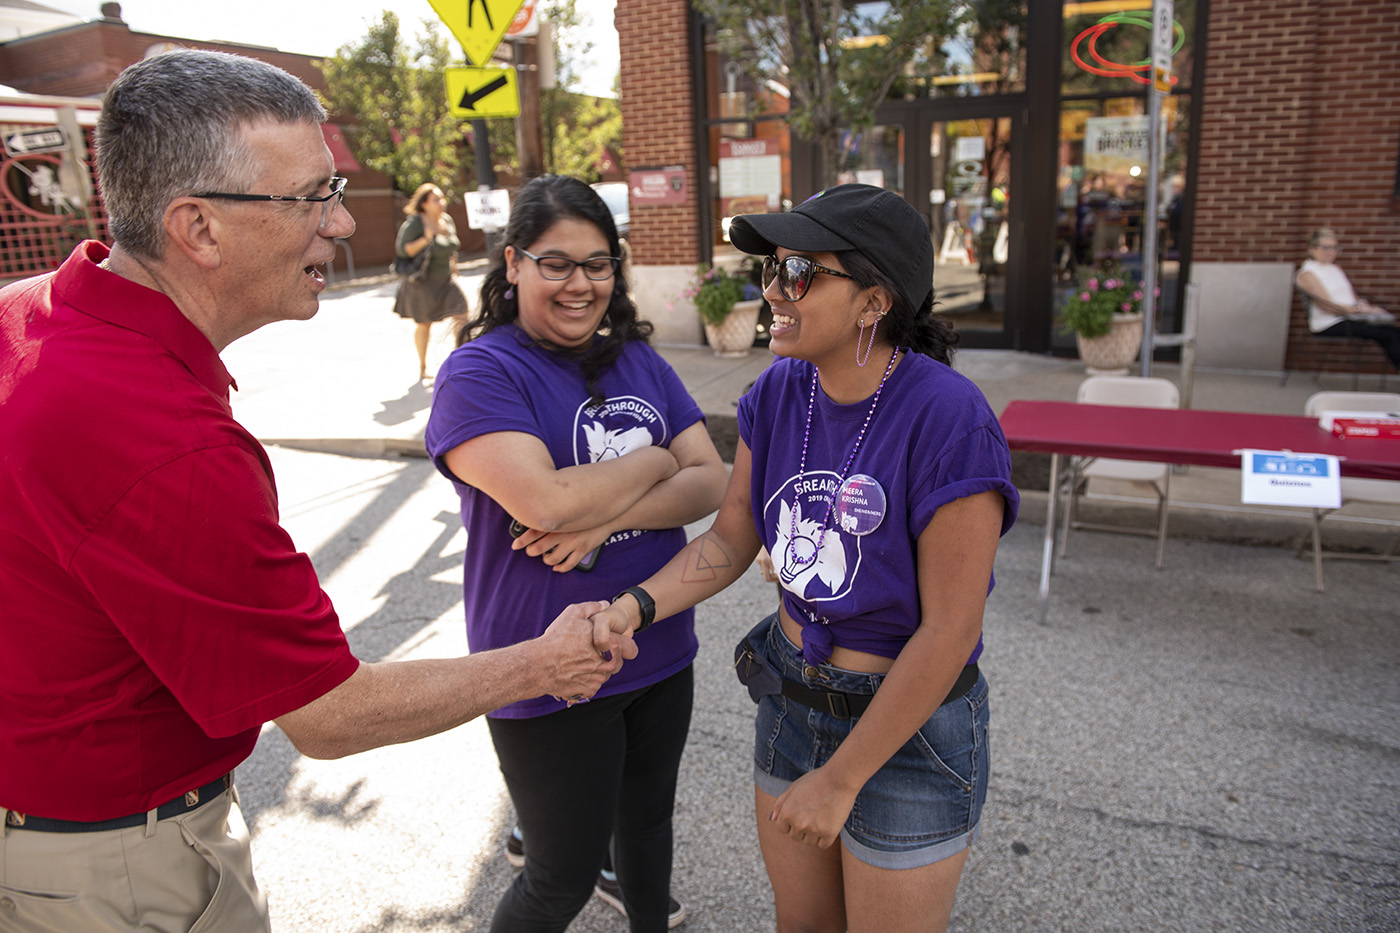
(1333, 308)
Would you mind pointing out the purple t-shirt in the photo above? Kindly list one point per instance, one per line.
(502, 382)
(932, 439)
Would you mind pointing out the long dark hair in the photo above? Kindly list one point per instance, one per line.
(919, 328)
(539, 205)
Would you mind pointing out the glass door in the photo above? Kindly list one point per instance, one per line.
(974, 220)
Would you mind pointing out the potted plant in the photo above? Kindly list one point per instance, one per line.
(728, 303)
(1104, 312)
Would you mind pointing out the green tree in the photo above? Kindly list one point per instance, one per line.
(837, 59)
(394, 95)
(576, 128)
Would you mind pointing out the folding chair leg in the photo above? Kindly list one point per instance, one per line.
(1317, 547)
(1162, 518)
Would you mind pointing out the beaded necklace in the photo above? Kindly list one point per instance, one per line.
(802, 466)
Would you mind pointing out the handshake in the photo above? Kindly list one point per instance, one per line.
(584, 646)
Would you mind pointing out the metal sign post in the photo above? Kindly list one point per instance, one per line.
(1162, 17)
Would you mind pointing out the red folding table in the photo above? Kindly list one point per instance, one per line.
(1174, 435)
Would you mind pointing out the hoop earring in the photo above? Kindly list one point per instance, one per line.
(861, 336)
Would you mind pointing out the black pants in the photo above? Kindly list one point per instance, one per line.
(600, 770)
(1387, 335)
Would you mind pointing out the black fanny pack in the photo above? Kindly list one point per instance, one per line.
(762, 679)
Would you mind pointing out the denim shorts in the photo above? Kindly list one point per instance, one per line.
(922, 806)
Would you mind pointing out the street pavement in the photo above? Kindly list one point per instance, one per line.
(1210, 747)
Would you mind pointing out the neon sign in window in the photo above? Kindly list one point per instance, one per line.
(1137, 71)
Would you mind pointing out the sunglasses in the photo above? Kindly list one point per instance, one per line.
(794, 275)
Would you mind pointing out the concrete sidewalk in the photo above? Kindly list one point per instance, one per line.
(345, 383)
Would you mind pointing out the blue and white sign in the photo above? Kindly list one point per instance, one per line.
(1281, 477)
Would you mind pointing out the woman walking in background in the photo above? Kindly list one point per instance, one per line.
(436, 295)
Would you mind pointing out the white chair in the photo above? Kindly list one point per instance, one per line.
(1135, 392)
(1353, 490)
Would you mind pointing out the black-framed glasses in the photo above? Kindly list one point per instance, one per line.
(558, 268)
(794, 275)
(327, 202)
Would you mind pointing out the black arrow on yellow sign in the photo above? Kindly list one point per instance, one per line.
(470, 98)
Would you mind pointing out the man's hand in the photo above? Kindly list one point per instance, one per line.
(572, 666)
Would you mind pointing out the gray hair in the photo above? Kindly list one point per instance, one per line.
(171, 126)
(1320, 235)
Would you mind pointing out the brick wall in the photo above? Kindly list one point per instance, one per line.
(658, 123)
(1301, 129)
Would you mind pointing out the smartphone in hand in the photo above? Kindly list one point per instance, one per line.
(589, 560)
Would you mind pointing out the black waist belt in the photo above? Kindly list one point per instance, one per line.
(186, 802)
(851, 705)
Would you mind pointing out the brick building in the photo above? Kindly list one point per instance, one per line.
(1284, 116)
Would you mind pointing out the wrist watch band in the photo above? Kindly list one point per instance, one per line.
(645, 601)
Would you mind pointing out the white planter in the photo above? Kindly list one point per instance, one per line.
(1114, 352)
(733, 336)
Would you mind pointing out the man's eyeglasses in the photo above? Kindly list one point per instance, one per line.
(794, 275)
(327, 202)
(558, 268)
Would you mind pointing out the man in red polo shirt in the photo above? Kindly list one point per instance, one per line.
(154, 613)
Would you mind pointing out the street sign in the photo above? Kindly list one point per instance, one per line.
(478, 93)
(526, 22)
(32, 142)
(488, 210)
(477, 24)
(1162, 18)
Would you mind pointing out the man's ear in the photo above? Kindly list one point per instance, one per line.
(193, 231)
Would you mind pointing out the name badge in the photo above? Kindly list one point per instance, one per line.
(860, 505)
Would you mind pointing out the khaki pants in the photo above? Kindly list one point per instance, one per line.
(186, 874)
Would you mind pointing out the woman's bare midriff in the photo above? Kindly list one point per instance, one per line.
(844, 658)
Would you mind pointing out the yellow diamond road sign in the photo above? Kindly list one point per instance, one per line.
(477, 24)
(479, 93)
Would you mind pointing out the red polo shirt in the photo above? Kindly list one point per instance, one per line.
(153, 612)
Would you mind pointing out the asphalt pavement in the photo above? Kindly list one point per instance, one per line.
(1209, 747)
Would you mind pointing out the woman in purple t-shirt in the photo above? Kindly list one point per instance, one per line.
(578, 457)
(878, 480)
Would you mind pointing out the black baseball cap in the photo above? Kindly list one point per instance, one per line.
(878, 223)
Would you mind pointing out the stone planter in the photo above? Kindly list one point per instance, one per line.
(1114, 352)
(733, 336)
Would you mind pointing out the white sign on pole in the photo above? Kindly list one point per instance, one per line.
(488, 210)
(1163, 15)
(1281, 477)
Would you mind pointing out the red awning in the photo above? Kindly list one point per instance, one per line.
(335, 140)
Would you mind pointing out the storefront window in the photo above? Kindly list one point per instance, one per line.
(970, 220)
(1103, 186)
(1108, 42)
(982, 52)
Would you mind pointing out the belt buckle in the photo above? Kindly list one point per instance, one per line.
(14, 819)
(836, 705)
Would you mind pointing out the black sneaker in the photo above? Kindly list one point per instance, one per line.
(610, 893)
(515, 851)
